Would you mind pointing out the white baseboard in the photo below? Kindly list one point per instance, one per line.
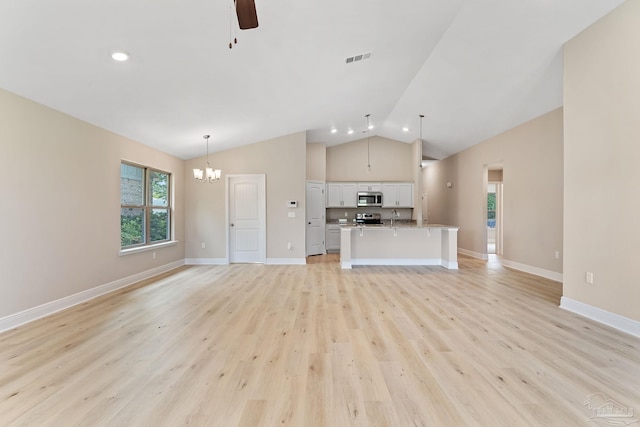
(547, 274)
(286, 261)
(473, 254)
(206, 261)
(396, 261)
(616, 321)
(451, 265)
(46, 309)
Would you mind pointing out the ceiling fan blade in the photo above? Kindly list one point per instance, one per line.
(246, 11)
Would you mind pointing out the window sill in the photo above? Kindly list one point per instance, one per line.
(147, 248)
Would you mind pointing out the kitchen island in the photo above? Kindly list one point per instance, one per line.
(399, 244)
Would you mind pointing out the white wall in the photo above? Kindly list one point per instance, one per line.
(60, 216)
(602, 163)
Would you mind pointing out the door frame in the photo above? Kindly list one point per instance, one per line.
(262, 206)
(499, 209)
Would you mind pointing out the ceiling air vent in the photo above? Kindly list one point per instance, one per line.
(359, 57)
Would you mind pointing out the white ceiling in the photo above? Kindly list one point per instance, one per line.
(474, 68)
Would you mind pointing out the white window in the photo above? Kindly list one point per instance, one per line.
(145, 206)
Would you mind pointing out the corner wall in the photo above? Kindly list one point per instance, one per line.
(283, 161)
(602, 163)
(390, 161)
(316, 162)
(531, 155)
(60, 216)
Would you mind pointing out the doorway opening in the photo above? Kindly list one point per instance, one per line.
(494, 216)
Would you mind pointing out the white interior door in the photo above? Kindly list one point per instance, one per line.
(315, 218)
(246, 212)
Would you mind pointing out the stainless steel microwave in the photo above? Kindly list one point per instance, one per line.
(369, 198)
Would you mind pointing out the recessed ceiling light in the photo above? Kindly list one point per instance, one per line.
(405, 129)
(334, 130)
(119, 55)
(350, 131)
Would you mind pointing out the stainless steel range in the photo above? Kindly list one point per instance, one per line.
(368, 218)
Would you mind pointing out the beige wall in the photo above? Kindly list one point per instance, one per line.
(390, 161)
(316, 162)
(602, 163)
(60, 216)
(531, 155)
(282, 160)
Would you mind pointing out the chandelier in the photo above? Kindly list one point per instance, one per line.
(208, 174)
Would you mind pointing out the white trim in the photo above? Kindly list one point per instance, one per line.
(396, 261)
(451, 265)
(473, 254)
(345, 265)
(616, 321)
(46, 309)
(206, 261)
(286, 261)
(147, 248)
(547, 274)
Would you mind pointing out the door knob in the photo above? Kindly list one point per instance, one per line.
(309, 222)
(232, 224)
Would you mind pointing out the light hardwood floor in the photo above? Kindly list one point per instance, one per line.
(314, 345)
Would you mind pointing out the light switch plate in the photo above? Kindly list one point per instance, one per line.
(292, 214)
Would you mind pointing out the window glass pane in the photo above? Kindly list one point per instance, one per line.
(159, 188)
(159, 224)
(131, 226)
(491, 206)
(131, 185)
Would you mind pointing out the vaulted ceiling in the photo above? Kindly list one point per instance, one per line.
(473, 68)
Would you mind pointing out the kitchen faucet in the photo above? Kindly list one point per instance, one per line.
(394, 214)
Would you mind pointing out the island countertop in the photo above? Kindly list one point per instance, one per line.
(396, 224)
(404, 243)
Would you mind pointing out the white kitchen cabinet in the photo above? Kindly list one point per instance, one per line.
(332, 238)
(405, 195)
(369, 186)
(397, 195)
(342, 195)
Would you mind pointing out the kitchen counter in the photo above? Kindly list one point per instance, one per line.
(404, 243)
(387, 224)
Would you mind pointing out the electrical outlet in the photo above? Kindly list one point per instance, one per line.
(289, 246)
(588, 277)
(346, 214)
(154, 255)
(203, 245)
(557, 255)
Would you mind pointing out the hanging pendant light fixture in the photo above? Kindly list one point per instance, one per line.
(208, 174)
(426, 161)
(368, 144)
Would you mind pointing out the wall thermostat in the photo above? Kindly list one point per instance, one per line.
(292, 203)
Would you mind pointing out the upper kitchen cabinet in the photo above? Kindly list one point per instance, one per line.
(342, 195)
(397, 195)
(369, 186)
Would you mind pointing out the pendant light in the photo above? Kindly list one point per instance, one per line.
(368, 144)
(208, 174)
